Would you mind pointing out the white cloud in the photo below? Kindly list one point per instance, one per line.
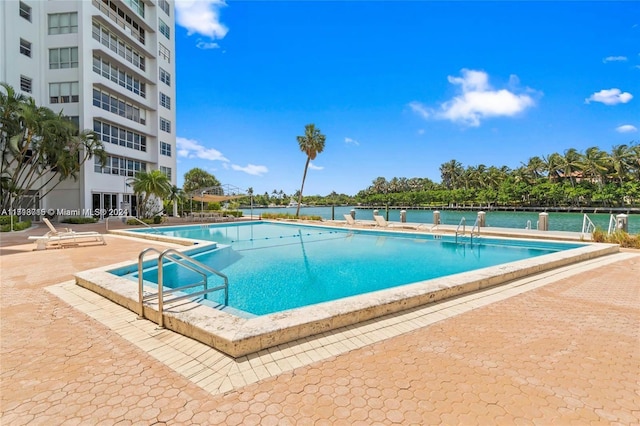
(471, 81)
(610, 97)
(614, 59)
(201, 17)
(419, 109)
(477, 101)
(251, 169)
(190, 148)
(626, 128)
(204, 45)
(314, 167)
(351, 141)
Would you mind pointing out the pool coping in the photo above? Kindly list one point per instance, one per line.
(237, 336)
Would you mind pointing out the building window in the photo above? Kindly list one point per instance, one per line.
(164, 53)
(166, 171)
(25, 11)
(25, 47)
(137, 6)
(117, 45)
(165, 125)
(109, 102)
(26, 84)
(119, 166)
(164, 29)
(121, 18)
(165, 100)
(75, 119)
(63, 23)
(165, 149)
(63, 57)
(164, 5)
(165, 77)
(119, 76)
(109, 133)
(64, 93)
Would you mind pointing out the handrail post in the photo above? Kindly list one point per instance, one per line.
(226, 291)
(140, 286)
(141, 279)
(612, 224)
(194, 265)
(160, 295)
(463, 223)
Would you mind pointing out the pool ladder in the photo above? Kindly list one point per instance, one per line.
(475, 230)
(185, 261)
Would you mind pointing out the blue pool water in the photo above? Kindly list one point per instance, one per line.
(275, 267)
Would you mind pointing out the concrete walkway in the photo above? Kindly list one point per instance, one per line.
(563, 348)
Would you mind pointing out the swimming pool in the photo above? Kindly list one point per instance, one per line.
(273, 267)
(241, 333)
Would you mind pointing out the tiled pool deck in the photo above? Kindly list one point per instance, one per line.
(561, 347)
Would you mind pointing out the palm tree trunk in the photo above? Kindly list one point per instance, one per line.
(304, 176)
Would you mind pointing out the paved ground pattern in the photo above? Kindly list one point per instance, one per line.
(566, 353)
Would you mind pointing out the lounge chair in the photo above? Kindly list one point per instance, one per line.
(382, 223)
(59, 238)
(352, 222)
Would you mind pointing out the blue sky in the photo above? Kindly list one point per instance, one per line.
(398, 88)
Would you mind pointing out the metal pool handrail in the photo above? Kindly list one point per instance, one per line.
(587, 225)
(463, 223)
(612, 225)
(106, 222)
(206, 290)
(476, 228)
(141, 280)
(141, 297)
(182, 260)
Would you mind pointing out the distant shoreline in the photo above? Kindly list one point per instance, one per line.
(593, 210)
(588, 210)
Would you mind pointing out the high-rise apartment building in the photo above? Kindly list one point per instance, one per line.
(110, 66)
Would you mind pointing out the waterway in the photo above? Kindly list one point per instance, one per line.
(501, 219)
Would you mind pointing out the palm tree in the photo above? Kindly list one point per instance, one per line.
(176, 196)
(380, 185)
(451, 174)
(535, 167)
(150, 184)
(635, 159)
(570, 163)
(594, 164)
(621, 161)
(312, 144)
(552, 164)
(39, 148)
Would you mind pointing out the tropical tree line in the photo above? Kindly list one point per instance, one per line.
(593, 177)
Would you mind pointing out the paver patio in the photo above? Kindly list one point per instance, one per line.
(567, 351)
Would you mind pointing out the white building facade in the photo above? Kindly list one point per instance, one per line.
(110, 66)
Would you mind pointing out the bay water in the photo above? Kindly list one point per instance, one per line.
(520, 220)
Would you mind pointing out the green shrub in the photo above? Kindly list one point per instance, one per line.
(234, 213)
(79, 220)
(157, 219)
(6, 220)
(136, 222)
(17, 226)
(288, 216)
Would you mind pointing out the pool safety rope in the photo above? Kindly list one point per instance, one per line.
(285, 236)
(343, 236)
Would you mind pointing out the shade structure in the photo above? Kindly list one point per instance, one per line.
(214, 198)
